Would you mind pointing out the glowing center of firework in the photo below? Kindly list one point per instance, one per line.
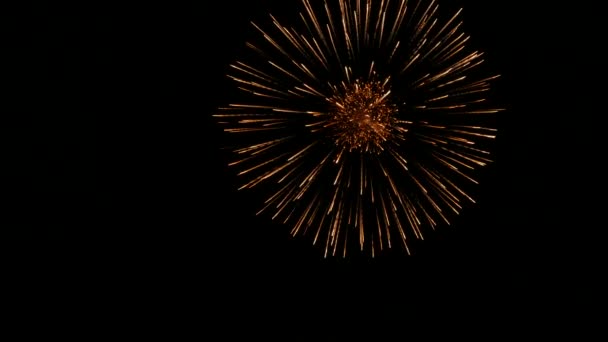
(362, 116)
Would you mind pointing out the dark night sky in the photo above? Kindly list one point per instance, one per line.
(130, 189)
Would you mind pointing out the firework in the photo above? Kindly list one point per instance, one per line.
(363, 121)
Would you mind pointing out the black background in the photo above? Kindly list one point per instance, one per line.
(130, 207)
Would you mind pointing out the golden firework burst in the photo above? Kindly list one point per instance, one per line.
(364, 119)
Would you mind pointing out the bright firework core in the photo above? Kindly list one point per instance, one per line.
(362, 116)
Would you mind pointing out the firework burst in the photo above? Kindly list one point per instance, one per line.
(364, 121)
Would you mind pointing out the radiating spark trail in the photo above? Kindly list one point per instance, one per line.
(362, 120)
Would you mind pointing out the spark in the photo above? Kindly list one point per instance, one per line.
(366, 120)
